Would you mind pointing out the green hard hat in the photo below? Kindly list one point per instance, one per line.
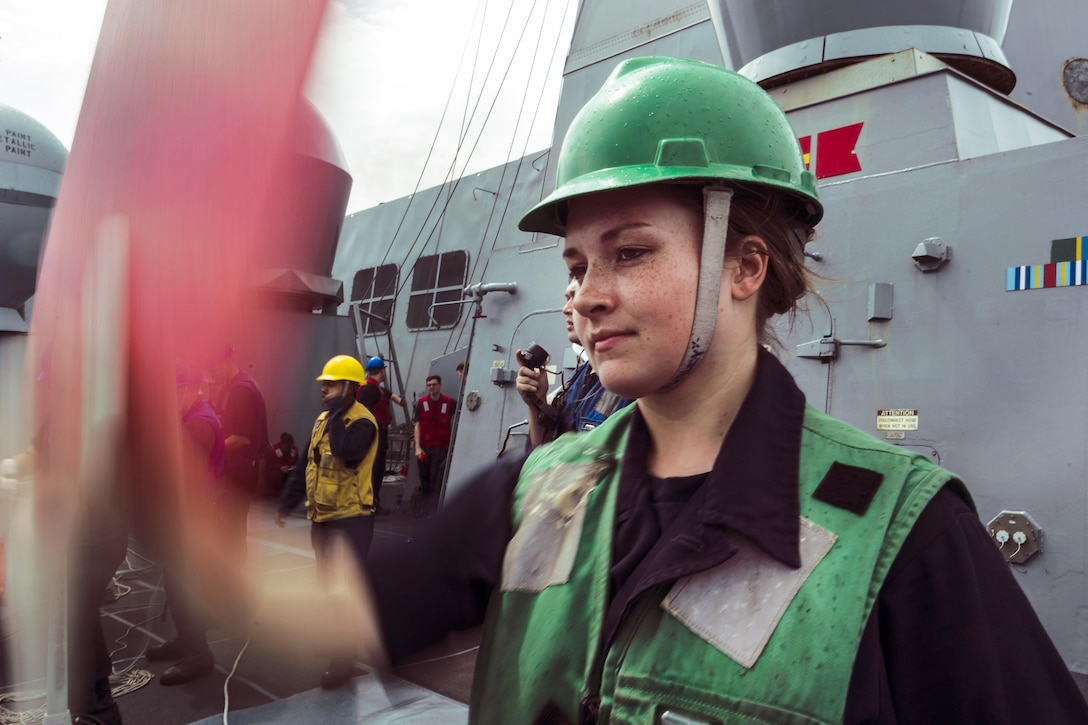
(670, 120)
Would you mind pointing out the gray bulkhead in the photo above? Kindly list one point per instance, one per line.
(989, 372)
(475, 216)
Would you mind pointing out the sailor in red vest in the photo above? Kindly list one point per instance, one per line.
(284, 454)
(376, 398)
(433, 426)
(279, 461)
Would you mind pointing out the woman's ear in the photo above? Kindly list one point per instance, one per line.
(749, 269)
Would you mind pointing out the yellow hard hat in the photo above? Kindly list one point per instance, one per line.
(343, 367)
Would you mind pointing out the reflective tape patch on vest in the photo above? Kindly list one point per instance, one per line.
(443, 409)
(553, 511)
(736, 605)
(607, 403)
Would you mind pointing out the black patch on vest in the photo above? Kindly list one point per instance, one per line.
(849, 487)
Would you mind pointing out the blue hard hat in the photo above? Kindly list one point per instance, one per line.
(375, 363)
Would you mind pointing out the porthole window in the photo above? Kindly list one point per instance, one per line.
(437, 281)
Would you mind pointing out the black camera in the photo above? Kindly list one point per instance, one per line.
(534, 356)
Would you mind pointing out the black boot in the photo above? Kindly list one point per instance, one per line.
(188, 669)
(172, 649)
(110, 715)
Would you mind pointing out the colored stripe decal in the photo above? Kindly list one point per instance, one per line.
(1067, 268)
(1045, 276)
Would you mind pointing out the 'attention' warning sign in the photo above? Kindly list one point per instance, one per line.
(897, 419)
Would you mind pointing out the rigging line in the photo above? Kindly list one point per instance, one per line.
(498, 91)
(450, 172)
(123, 645)
(525, 146)
(487, 77)
(430, 151)
(456, 182)
(226, 682)
(416, 348)
(452, 188)
(465, 120)
(577, 19)
(480, 18)
(426, 220)
(441, 657)
(510, 150)
(460, 331)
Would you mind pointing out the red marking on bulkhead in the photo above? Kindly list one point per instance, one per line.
(835, 151)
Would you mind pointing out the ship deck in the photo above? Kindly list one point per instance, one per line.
(269, 686)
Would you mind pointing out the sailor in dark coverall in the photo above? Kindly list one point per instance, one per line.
(376, 398)
(241, 408)
(205, 460)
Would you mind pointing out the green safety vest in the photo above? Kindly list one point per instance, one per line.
(751, 640)
(334, 491)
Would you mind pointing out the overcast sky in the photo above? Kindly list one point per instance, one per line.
(384, 72)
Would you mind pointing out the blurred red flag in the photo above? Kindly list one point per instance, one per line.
(181, 142)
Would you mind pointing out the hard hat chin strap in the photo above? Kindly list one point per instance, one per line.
(716, 201)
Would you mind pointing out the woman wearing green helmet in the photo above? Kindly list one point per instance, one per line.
(719, 552)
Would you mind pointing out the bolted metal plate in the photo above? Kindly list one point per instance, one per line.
(1017, 535)
(1075, 79)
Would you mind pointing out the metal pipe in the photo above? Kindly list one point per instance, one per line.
(476, 292)
(509, 432)
(482, 288)
(863, 343)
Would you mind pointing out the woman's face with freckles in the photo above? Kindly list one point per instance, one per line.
(634, 254)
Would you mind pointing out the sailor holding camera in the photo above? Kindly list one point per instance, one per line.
(580, 405)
